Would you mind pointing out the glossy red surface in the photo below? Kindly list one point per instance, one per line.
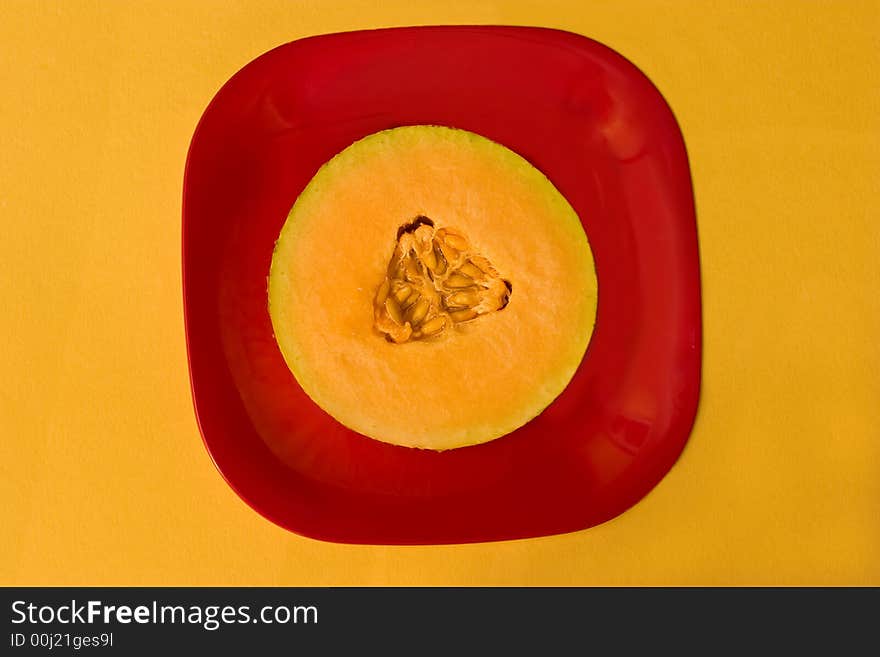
(599, 130)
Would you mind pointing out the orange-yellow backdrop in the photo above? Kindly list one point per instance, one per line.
(104, 476)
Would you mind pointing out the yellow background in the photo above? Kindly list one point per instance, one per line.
(103, 476)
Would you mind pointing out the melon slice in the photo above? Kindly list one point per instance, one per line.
(432, 289)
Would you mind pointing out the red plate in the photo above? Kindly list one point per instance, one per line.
(597, 127)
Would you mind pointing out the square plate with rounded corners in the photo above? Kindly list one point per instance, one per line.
(578, 111)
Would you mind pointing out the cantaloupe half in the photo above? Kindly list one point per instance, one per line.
(432, 289)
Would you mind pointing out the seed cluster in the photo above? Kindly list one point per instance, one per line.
(434, 281)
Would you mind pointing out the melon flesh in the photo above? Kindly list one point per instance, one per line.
(477, 380)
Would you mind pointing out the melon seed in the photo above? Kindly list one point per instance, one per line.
(434, 279)
(449, 253)
(470, 269)
(459, 280)
(434, 325)
(418, 311)
(402, 292)
(411, 299)
(463, 315)
(456, 242)
(393, 310)
(465, 298)
(430, 259)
